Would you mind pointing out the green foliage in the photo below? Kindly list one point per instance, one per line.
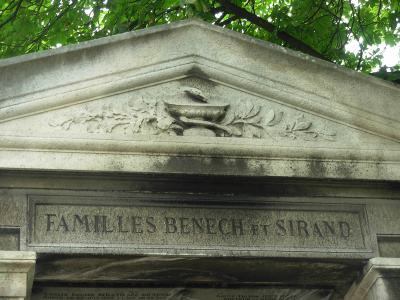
(326, 27)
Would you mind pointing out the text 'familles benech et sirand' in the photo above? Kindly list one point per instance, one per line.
(149, 225)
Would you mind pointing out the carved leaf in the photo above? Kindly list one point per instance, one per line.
(253, 112)
(239, 111)
(328, 137)
(66, 125)
(82, 119)
(269, 117)
(329, 132)
(276, 120)
(249, 107)
(302, 126)
(255, 120)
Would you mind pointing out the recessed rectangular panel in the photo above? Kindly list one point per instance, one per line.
(389, 245)
(143, 226)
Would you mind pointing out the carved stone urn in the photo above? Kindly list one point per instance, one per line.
(200, 118)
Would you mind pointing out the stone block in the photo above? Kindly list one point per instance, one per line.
(16, 274)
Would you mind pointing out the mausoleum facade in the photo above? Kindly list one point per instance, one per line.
(186, 161)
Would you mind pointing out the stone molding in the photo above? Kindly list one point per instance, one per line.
(153, 155)
(376, 269)
(17, 269)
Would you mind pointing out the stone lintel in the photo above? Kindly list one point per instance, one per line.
(17, 269)
(380, 280)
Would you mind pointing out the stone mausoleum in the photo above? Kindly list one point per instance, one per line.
(188, 162)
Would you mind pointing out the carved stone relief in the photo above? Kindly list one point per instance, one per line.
(197, 117)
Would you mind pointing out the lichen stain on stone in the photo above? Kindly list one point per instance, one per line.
(11, 208)
(345, 169)
(204, 165)
(115, 165)
(316, 168)
(260, 168)
(295, 170)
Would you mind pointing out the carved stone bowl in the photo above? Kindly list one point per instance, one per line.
(198, 111)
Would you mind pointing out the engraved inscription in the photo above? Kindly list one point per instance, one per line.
(290, 227)
(194, 226)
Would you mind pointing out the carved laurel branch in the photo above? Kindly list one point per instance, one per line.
(139, 118)
(303, 129)
(246, 120)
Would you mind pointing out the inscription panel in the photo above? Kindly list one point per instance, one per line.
(163, 227)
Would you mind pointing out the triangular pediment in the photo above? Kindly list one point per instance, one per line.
(179, 91)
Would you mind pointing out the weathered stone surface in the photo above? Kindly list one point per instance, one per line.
(9, 239)
(207, 108)
(16, 274)
(188, 225)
